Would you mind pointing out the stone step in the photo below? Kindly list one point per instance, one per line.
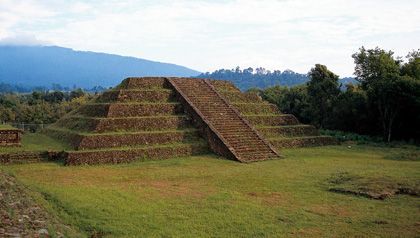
(239, 97)
(144, 83)
(234, 130)
(129, 154)
(259, 148)
(94, 141)
(288, 131)
(130, 109)
(224, 85)
(146, 123)
(21, 157)
(226, 123)
(239, 136)
(256, 108)
(249, 149)
(132, 95)
(83, 141)
(272, 119)
(240, 143)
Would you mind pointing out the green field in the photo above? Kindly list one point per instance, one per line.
(205, 196)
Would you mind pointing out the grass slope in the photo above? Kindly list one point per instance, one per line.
(208, 197)
(6, 127)
(36, 142)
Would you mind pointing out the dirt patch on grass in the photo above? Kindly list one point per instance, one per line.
(330, 210)
(21, 216)
(372, 187)
(269, 198)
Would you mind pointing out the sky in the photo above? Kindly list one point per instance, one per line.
(206, 35)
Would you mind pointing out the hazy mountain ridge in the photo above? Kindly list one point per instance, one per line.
(47, 65)
(25, 68)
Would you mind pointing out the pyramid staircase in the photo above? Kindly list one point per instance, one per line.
(281, 130)
(140, 118)
(236, 138)
(156, 118)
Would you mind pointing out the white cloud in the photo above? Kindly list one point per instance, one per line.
(15, 15)
(207, 35)
(29, 40)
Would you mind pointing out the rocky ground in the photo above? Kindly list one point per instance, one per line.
(20, 215)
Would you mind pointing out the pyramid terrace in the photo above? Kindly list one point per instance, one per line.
(159, 117)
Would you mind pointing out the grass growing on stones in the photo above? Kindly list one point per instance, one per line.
(6, 127)
(204, 196)
(21, 216)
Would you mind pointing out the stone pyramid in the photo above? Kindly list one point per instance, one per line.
(157, 117)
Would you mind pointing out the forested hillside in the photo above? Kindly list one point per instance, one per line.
(262, 78)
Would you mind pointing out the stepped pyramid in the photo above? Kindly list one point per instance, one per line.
(157, 117)
(280, 130)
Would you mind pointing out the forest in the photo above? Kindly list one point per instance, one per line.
(33, 111)
(261, 77)
(385, 102)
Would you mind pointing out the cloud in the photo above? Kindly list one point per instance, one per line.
(28, 40)
(207, 35)
(17, 18)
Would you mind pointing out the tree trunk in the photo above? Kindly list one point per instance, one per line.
(391, 123)
(382, 114)
(389, 134)
(384, 130)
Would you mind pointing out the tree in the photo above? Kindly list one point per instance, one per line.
(54, 97)
(412, 67)
(6, 114)
(379, 74)
(410, 126)
(289, 100)
(351, 112)
(323, 89)
(76, 93)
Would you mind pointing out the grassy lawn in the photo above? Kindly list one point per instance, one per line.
(204, 196)
(36, 142)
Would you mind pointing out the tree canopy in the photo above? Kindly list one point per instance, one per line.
(386, 102)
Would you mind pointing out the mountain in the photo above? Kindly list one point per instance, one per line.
(24, 67)
(47, 65)
(348, 80)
